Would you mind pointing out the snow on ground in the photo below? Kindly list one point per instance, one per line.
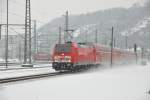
(119, 83)
(27, 71)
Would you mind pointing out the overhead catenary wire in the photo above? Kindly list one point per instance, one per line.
(16, 32)
(18, 3)
(1, 14)
(19, 33)
(36, 11)
(21, 5)
(22, 16)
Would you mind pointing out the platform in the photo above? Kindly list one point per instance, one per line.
(17, 71)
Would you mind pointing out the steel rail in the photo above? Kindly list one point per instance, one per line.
(29, 77)
(22, 68)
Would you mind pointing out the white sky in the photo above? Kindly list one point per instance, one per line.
(46, 10)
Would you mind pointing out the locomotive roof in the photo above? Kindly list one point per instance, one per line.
(98, 46)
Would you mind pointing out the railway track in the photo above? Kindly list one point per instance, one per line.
(21, 78)
(3, 64)
(21, 68)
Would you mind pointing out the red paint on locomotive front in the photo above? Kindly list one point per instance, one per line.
(78, 55)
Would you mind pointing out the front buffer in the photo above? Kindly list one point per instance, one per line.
(59, 66)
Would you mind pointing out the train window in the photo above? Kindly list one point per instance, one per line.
(63, 48)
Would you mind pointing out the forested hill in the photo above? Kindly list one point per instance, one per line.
(134, 22)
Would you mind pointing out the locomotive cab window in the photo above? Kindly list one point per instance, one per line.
(63, 48)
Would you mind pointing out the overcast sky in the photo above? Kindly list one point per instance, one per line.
(46, 10)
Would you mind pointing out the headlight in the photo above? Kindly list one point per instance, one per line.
(62, 58)
(57, 59)
(67, 58)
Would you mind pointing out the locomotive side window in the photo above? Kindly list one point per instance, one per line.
(63, 48)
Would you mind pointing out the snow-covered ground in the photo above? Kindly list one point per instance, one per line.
(27, 71)
(118, 83)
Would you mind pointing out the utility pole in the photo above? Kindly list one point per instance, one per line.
(29, 27)
(112, 39)
(105, 40)
(66, 29)
(142, 54)
(35, 39)
(6, 48)
(59, 35)
(0, 32)
(37, 45)
(126, 37)
(96, 36)
(27, 43)
(86, 36)
(19, 49)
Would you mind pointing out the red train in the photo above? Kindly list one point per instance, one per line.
(75, 56)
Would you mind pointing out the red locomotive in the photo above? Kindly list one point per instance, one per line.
(75, 56)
